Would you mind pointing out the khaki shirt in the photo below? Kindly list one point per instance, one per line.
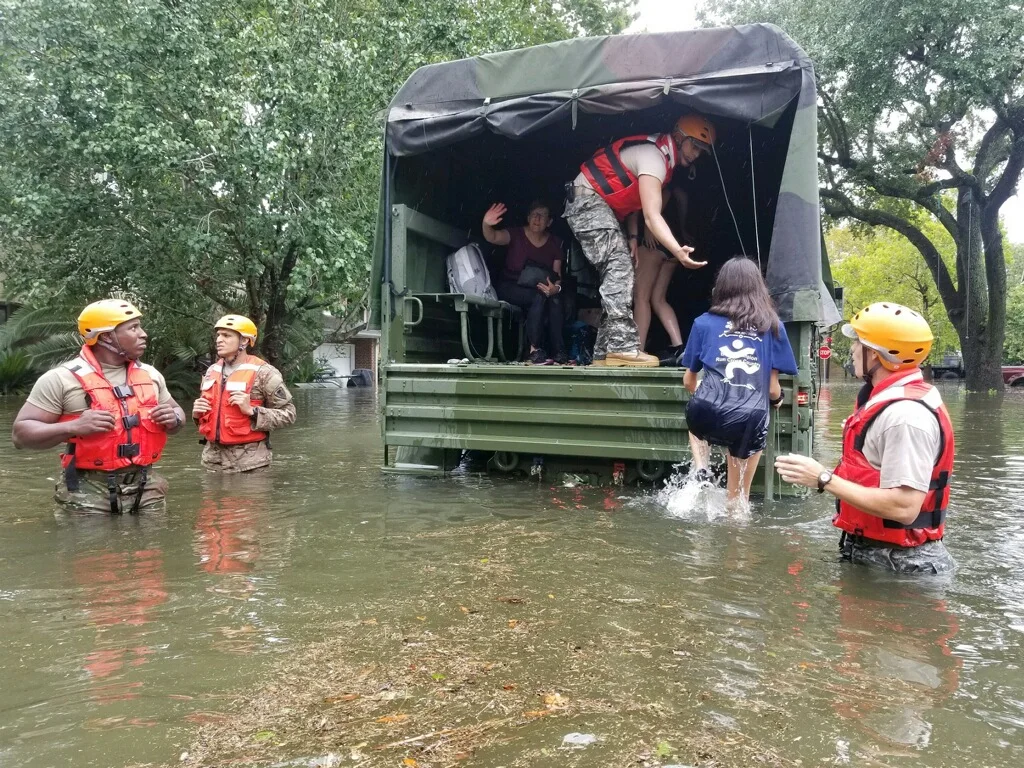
(277, 411)
(904, 443)
(58, 391)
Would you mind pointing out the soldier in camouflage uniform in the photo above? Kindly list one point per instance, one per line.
(613, 186)
(243, 399)
(113, 413)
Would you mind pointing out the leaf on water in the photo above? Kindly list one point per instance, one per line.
(551, 596)
(372, 622)
(264, 735)
(538, 713)
(484, 560)
(512, 600)
(421, 618)
(464, 609)
(509, 687)
(438, 676)
(513, 623)
(393, 718)
(344, 697)
(664, 749)
(410, 762)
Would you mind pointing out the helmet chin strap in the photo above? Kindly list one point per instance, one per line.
(238, 352)
(116, 347)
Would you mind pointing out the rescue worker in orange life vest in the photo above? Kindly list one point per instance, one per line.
(112, 411)
(892, 482)
(614, 186)
(242, 400)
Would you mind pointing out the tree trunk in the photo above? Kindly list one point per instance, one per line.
(980, 320)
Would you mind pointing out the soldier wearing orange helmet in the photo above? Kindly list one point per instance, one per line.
(243, 398)
(613, 187)
(112, 412)
(892, 483)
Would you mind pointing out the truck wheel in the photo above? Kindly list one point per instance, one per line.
(506, 461)
(651, 470)
(1017, 382)
(949, 376)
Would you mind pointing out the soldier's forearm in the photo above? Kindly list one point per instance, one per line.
(29, 433)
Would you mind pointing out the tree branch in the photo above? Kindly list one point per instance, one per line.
(1007, 183)
(838, 204)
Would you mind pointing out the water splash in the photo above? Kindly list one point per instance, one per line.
(697, 495)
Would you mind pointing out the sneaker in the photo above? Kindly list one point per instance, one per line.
(669, 357)
(634, 359)
(561, 358)
(598, 362)
(540, 357)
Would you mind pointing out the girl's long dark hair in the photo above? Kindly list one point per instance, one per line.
(741, 295)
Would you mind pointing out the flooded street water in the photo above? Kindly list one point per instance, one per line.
(666, 638)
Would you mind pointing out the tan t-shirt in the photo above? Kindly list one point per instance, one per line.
(58, 391)
(903, 443)
(640, 160)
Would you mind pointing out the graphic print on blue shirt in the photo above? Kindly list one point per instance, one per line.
(741, 358)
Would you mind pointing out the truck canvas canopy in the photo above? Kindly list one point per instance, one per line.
(569, 98)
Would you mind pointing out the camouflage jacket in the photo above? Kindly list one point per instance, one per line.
(277, 411)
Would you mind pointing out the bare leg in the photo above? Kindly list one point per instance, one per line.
(739, 478)
(662, 308)
(701, 452)
(643, 285)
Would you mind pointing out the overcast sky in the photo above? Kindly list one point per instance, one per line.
(667, 15)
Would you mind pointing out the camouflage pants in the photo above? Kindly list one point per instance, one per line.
(93, 494)
(237, 458)
(932, 557)
(604, 245)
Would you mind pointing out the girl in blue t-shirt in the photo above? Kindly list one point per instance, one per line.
(742, 347)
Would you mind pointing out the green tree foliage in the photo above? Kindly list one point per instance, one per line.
(210, 157)
(883, 266)
(920, 99)
(1014, 347)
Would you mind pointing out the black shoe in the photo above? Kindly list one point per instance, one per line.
(540, 357)
(669, 357)
(561, 358)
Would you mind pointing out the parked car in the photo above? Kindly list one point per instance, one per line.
(1013, 375)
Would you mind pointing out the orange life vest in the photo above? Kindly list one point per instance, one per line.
(854, 466)
(225, 423)
(135, 440)
(615, 183)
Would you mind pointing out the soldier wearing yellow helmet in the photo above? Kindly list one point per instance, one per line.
(892, 483)
(112, 411)
(243, 398)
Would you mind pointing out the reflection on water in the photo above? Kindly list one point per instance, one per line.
(121, 627)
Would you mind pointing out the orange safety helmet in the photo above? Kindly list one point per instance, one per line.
(697, 127)
(104, 316)
(900, 336)
(240, 324)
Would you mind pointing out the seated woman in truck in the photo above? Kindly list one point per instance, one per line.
(742, 346)
(531, 277)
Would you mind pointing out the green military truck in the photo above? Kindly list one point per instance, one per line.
(515, 126)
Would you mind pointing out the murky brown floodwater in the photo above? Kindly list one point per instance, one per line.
(122, 635)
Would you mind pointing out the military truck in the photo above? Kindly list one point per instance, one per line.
(516, 125)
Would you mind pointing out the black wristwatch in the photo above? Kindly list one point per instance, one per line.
(779, 399)
(824, 479)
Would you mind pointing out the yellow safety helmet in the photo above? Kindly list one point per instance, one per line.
(104, 316)
(240, 324)
(899, 335)
(698, 128)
